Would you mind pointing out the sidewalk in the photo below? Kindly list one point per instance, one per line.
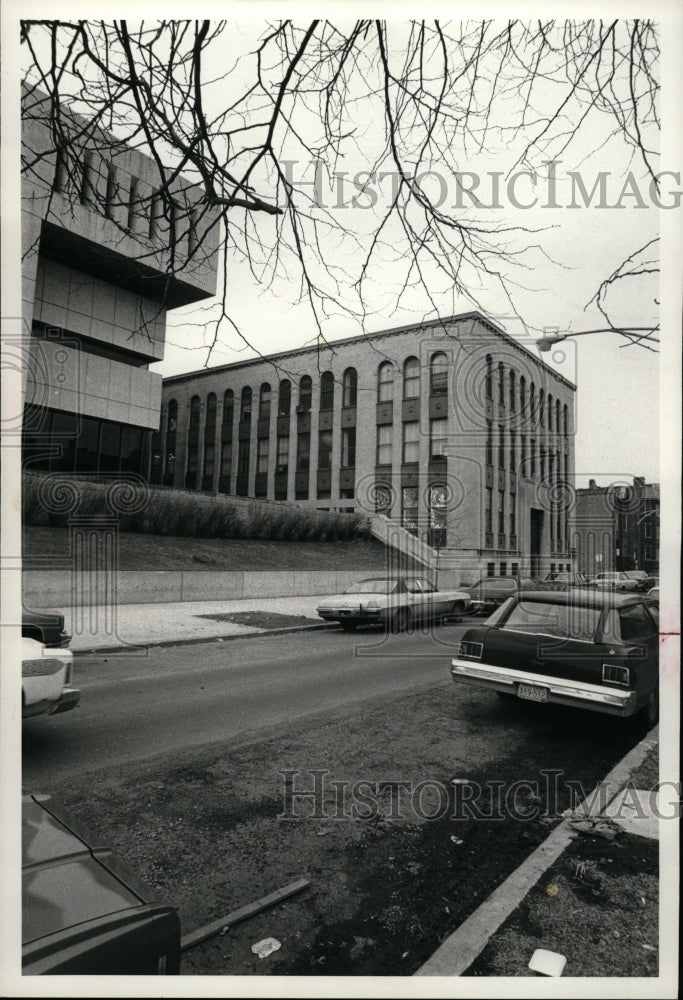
(589, 893)
(103, 628)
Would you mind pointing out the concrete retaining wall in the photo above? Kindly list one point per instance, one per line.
(53, 588)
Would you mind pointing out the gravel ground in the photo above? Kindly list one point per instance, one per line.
(209, 828)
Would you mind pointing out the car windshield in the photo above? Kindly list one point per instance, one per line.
(372, 587)
(568, 621)
(636, 574)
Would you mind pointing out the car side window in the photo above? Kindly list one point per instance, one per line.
(413, 587)
(427, 585)
(635, 623)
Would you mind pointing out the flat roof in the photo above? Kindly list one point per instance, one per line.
(361, 338)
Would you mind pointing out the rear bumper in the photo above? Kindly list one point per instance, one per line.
(579, 694)
(68, 699)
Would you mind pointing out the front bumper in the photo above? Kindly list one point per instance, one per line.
(68, 699)
(360, 616)
(578, 694)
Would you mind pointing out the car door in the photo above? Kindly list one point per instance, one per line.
(435, 602)
(417, 600)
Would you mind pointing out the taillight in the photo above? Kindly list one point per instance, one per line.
(471, 650)
(612, 674)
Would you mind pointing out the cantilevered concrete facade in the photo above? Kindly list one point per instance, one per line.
(101, 266)
(451, 428)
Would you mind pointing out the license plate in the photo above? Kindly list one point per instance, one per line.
(531, 693)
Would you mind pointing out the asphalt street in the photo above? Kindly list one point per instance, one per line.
(137, 707)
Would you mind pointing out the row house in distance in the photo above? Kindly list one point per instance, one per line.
(451, 428)
(617, 526)
(103, 261)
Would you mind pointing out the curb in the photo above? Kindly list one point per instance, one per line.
(131, 648)
(455, 955)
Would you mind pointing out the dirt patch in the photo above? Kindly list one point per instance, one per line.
(395, 860)
(263, 619)
(597, 906)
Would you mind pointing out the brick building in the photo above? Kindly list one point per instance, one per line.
(451, 428)
(617, 527)
(101, 266)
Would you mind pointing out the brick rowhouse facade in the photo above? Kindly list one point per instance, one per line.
(617, 527)
(451, 428)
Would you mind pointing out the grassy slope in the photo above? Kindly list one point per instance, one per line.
(48, 548)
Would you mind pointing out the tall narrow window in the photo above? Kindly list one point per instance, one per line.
(438, 438)
(541, 407)
(566, 420)
(489, 442)
(513, 452)
(411, 379)
(195, 409)
(325, 450)
(245, 404)
(326, 391)
(488, 510)
(513, 515)
(488, 385)
(501, 512)
(303, 452)
(243, 458)
(349, 387)
(532, 402)
(522, 395)
(411, 441)
(226, 461)
(284, 398)
(384, 441)
(385, 382)
(305, 393)
(501, 384)
(438, 374)
(282, 458)
(409, 509)
(264, 402)
(348, 457)
(228, 408)
(210, 421)
(550, 412)
(513, 401)
(501, 446)
(262, 455)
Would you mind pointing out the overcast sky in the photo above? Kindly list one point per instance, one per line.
(617, 386)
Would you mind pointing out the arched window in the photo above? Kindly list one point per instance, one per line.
(349, 387)
(228, 407)
(541, 406)
(557, 416)
(411, 378)
(438, 374)
(194, 412)
(513, 401)
(245, 403)
(501, 384)
(264, 402)
(284, 398)
(550, 411)
(566, 420)
(210, 410)
(522, 395)
(385, 382)
(532, 401)
(305, 393)
(172, 420)
(326, 391)
(489, 377)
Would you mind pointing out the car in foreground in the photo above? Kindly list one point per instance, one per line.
(46, 676)
(577, 647)
(84, 912)
(490, 592)
(46, 625)
(394, 602)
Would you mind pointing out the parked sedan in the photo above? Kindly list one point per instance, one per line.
(46, 676)
(84, 911)
(490, 592)
(395, 602)
(615, 581)
(644, 581)
(576, 647)
(564, 578)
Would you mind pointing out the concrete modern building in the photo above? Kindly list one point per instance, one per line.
(451, 428)
(617, 527)
(101, 267)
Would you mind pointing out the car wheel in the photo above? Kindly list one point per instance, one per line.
(348, 626)
(457, 611)
(401, 620)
